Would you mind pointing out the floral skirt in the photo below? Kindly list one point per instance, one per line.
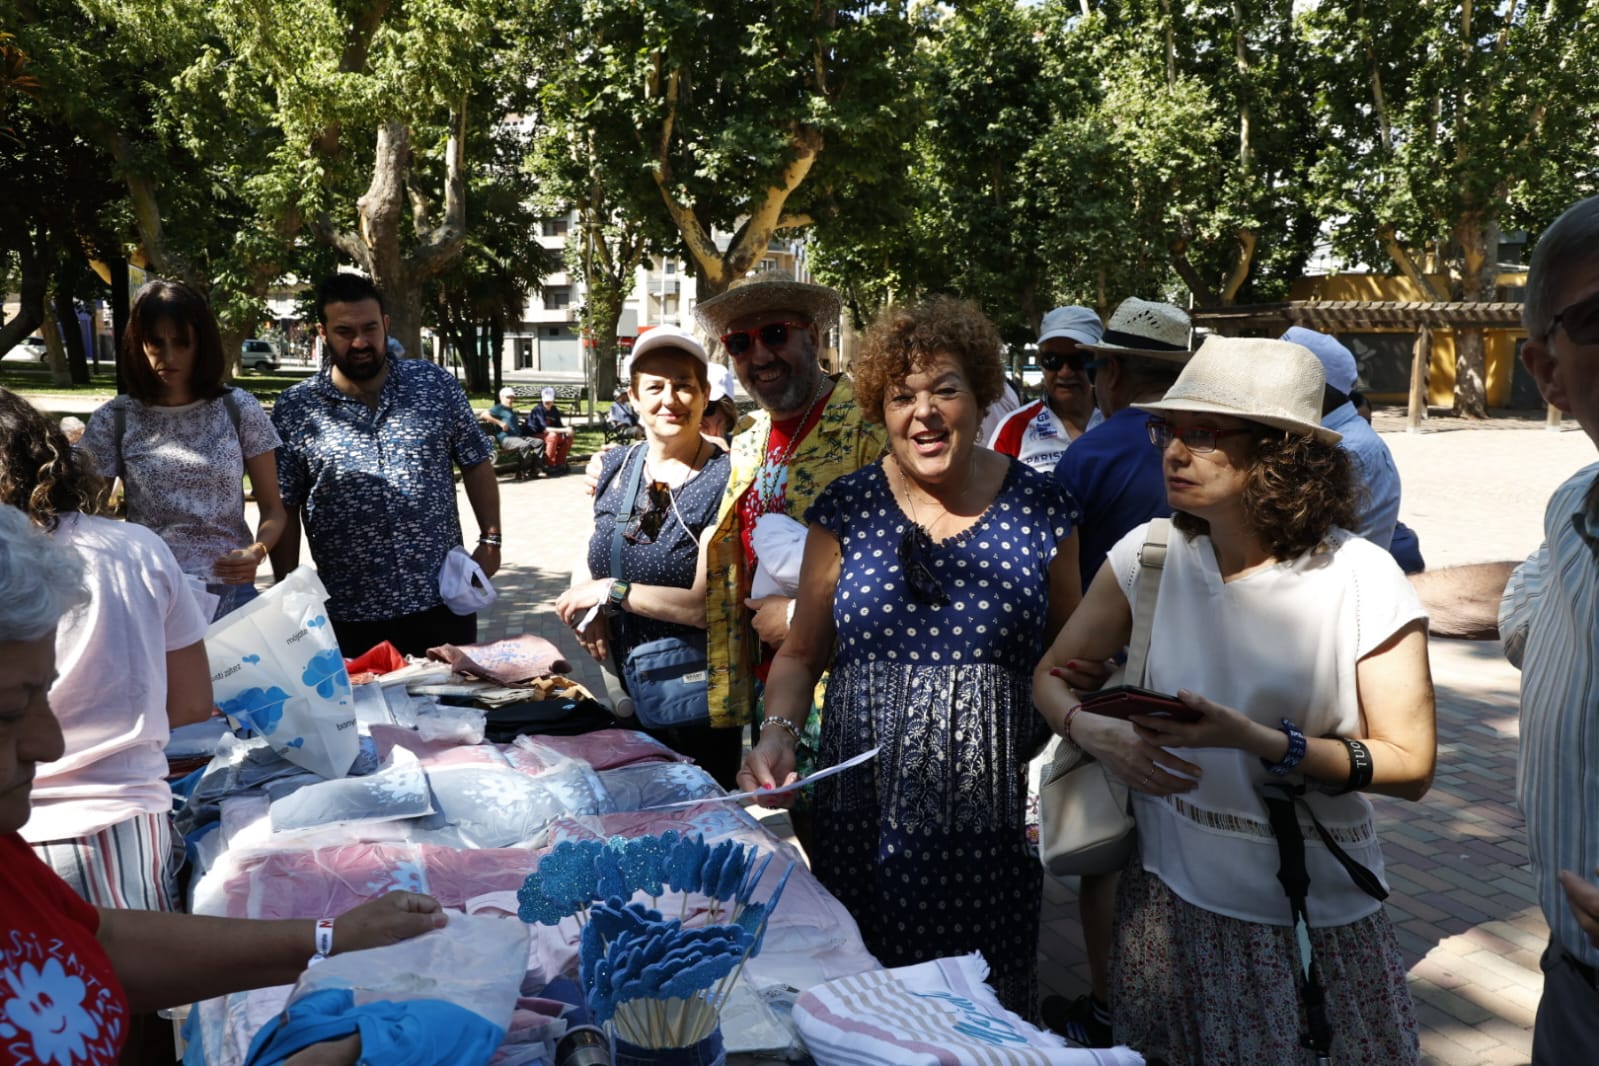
(1194, 988)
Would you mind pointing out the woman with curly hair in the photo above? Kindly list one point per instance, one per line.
(932, 580)
(1301, 651)
(130, 664)
(182, 440)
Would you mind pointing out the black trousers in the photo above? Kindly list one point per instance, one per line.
(413, 634)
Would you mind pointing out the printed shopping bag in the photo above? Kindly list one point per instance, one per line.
(276, 669)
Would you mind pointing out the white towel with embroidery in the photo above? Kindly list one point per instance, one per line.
(938, 1013)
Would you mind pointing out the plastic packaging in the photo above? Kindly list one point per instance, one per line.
(276, 669)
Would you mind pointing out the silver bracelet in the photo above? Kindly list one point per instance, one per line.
(772, 719)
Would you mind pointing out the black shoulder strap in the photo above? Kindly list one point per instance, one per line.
(1282, 801)
(634, 480)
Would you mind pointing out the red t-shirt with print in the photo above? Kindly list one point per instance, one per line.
(60, 1001)
(755, 503)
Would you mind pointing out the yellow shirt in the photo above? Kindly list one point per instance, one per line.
(840, 443)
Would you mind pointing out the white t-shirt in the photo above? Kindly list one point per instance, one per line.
(184, 470)
(111, 692)
(1282, 642)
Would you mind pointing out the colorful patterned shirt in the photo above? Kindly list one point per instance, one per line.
(375, 487)
(842, 442)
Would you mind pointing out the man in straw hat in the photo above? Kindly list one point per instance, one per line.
(807, 431)
(1548, 619)
(1374, 464)
(1039, 432)
(1119, 480)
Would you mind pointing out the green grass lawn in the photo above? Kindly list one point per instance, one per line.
(30, 380)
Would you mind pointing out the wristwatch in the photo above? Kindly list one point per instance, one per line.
(615, 595)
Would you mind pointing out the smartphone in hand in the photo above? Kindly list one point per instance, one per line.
(1124, 701)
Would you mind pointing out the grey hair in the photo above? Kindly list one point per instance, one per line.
(1570, 241)
(39, 579)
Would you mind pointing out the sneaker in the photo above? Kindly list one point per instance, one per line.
(1080, 1020)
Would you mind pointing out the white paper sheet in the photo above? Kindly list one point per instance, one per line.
(764, 793)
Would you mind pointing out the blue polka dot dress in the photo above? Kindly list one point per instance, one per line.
(927, 846)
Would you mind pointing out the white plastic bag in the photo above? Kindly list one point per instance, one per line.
(276, 668)
(476, 962)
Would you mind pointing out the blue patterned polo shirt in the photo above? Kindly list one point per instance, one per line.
(375, 488)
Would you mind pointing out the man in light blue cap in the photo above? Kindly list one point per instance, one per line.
(1039, 432)
(1374, 464)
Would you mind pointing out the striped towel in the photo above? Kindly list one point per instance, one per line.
(938, 1013)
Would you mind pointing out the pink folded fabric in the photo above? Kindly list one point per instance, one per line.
(510, 661)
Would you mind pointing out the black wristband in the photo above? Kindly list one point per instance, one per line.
(1360, 768)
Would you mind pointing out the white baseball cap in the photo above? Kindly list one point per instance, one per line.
(721, 381)
(507, 393)
(659, 337)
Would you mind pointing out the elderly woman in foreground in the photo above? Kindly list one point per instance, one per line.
(71, 973)
(1301, 652)
(933, 579)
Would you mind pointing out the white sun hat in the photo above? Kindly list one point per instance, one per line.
(1275, 383)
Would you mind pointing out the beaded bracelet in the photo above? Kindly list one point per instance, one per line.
(1296, 751)
(1066, 725)
(772, 719)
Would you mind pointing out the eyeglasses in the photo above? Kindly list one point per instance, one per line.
(1078, 361)
(646, 525)
(1581, 321)
(774, 335)
(915, 547)
(1197, 439)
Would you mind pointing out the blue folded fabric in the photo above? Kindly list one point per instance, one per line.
(416, 1032)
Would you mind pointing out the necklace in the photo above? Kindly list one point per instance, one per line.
(770, 476)
(910, 499)
(672, 494)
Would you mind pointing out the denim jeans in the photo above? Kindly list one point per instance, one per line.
(231, 597)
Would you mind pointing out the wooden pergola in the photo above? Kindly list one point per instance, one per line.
(1333, 316)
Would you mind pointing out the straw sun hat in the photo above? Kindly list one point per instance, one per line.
(1146, 328)
(1275, 383)
(769, 290)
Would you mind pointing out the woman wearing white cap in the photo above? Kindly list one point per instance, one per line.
(1301, 651)
(659, 591)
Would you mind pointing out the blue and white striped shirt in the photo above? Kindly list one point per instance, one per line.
(1550, 628)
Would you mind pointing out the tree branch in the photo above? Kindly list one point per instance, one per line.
(1185, 270)
(1246, 258)
(1407, 265)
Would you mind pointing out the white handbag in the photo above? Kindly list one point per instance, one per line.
(1085, 818)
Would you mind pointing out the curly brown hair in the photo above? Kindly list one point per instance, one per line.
(905, 340)
(1298, 489)
(40, 473)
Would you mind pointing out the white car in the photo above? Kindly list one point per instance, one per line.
(258, 355)
(1033, 376)
(31, 350)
